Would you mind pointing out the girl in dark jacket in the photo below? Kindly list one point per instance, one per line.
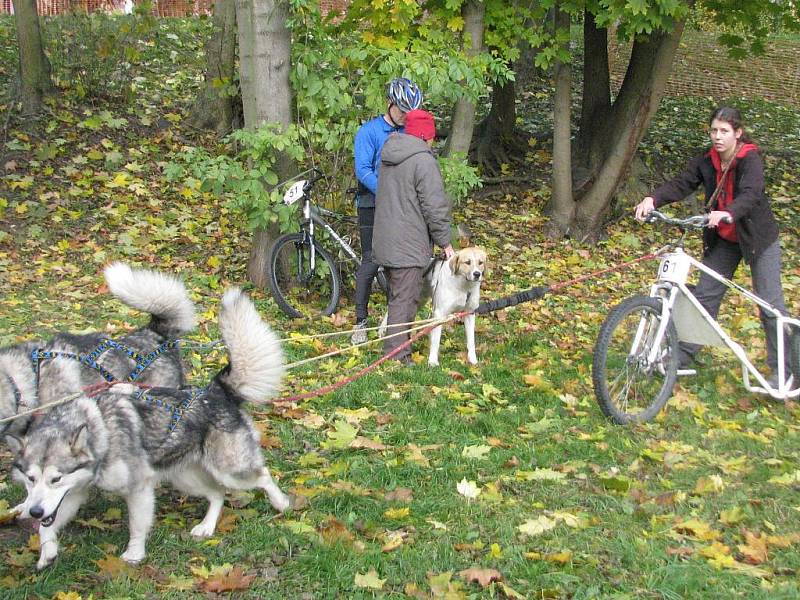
(732, 174)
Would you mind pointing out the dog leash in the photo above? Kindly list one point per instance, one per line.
(90, 391)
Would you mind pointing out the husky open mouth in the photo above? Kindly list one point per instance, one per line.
(46, 522)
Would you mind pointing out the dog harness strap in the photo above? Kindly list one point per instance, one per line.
(38, 355)
(143, 362)
(533, 293)
(17, 393)
(190, 395)
(106, 344)
(90, 359)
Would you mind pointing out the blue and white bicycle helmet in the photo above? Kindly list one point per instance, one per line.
(404, 94)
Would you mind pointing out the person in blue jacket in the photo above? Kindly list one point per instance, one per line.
(403, 96)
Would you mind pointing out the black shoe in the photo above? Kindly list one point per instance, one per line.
(685, 360)
(686, 363)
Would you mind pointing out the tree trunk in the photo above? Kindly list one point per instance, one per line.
(264, 63)
(498, 128)
(460, 137)
(596, 96)
(562, 205)
(646, 76)
(214, 107)
(34, 68)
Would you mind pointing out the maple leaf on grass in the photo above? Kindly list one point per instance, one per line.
(478, 452)
(113, 566)
(367, 443)
(754, 549)
(400, 494)
(227, 579)
(334, 531)
(468, 489)
(483, 576)
(6, 515)
(394, 539)
(537, 526)
(369, 580)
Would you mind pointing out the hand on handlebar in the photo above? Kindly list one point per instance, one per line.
(715, 217)
(644, 207)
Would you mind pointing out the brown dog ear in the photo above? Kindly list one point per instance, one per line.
(454, 263)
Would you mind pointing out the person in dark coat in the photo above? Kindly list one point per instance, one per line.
(412, 213)
(403, 96)
(734, 165)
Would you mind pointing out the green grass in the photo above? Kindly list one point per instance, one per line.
(626, 490)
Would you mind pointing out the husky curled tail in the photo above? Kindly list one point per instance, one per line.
(163, 296)
(39, 372)
(256, 358)
(127, 440)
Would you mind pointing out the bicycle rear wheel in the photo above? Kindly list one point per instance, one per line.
(630, 388)
(298, 290)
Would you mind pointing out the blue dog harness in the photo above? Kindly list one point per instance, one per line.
(90, 360)
(190, 395)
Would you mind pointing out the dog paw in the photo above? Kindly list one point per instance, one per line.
(202, 531)
(133, 556)
(282, 503)
(47, 556)
(433, 363)
(473, 360)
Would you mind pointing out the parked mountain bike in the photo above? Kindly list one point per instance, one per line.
(305, 279)
(636, 356)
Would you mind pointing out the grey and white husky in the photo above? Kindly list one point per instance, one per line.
(126, 440)
(38, 372)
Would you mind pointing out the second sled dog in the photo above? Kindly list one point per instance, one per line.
(27, 381)
(126, 440)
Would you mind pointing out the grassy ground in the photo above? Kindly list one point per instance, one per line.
(701, 503)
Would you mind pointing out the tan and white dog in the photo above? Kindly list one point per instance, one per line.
(453, 285)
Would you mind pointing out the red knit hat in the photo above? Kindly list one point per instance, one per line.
(420, 123)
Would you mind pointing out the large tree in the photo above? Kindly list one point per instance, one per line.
(562, 161)
(463, 122)
(264, 65)
(34, 68)
(611, 132)
(215, 106)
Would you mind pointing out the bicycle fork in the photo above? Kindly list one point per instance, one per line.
(309, 239)
(653, 342)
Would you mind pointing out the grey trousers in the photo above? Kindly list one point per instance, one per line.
(724, 258)
(405, 289)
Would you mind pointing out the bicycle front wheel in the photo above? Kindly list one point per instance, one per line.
(298, 289)
(632, 383)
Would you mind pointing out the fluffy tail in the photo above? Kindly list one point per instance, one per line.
(163, 296)
(256, 358)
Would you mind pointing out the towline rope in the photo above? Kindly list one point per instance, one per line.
(527, 295)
